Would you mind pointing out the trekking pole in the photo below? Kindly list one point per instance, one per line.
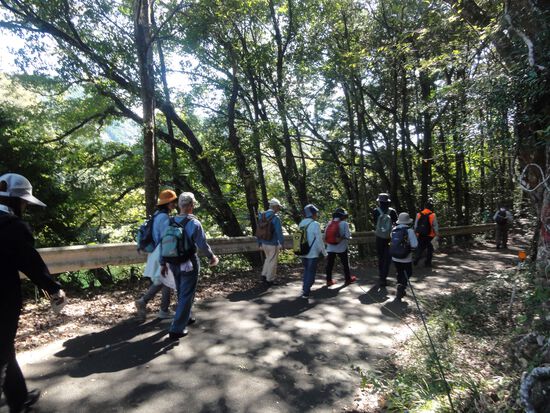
(432, 345)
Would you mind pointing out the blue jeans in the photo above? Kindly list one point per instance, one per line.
(310, 267)
(186, 285)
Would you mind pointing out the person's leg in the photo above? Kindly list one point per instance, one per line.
(12, 381)
(151, 292)
(270, 263)
(310, 267)
(187, 284)
(430, 252)
(344, 259)
(504, 236)
(421, 247)
(382, 252)
(401, 279)
(165, 302)
(330, 265)
(498, 235)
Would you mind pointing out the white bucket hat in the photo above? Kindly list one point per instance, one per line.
(19, 187)
(404, 218)
(275, 202)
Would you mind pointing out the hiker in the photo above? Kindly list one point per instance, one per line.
(384, 219)
(426, 228)
(269, 234)
(402, 244)
(503, 218)
(337, 234)
(166, 203)
(316, 246)
(18, 254)
(186, 272)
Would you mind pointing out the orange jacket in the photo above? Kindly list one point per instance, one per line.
(431, 218)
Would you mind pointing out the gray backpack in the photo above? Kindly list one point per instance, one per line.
(383, 225)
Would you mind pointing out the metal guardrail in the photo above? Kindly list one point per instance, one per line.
(79, 257)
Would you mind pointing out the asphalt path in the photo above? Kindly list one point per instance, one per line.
(261, 350)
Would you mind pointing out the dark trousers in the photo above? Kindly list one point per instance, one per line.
(424, 243)
(404, 272)
(384, 258)
(343, 259)
(186, 285)
(11, 378)
(501, 234)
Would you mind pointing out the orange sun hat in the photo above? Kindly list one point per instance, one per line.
(166, 197)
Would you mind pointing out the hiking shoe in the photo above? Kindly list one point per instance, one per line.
(177, 336)
(330, 282)
(192, 320)
(141, 307)
(165, 315)
(351, 280)
(305, 296)
(32, 398)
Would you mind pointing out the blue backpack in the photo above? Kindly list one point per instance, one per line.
(144, 236)
(176, 246)
(400, 246)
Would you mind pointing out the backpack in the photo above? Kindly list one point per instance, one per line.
(144, 236)
(300, 244)
(383, 225)
(423, 225)
(332, 233)
(265, 229)
(501, 218)
(400, 246)
(176, 246)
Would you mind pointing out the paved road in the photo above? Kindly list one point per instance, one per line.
(254, 351)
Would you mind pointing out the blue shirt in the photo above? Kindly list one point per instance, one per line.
(277, 238)
(194, 230)
(314, 238)
(161, 220)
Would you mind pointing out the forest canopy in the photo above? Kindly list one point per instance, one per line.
(318, 101)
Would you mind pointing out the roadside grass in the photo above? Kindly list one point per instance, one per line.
(474, 330)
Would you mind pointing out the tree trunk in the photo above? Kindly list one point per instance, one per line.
(142, 32)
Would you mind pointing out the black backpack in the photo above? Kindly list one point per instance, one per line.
(501, 218)
(400, 245)
(423, 225)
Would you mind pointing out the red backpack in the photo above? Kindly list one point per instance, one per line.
(332, 233)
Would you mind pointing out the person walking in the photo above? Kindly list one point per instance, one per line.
(426, 228)
(504, 219)
(269, 234)
(167, 202)
(337, 236)
(17, 253)
(403, 242)
(384, 219)
(316, 247)
(186, 273)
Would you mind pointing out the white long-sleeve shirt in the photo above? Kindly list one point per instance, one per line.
(314, 237)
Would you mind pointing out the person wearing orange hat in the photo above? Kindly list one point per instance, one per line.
(167, 202)
(18, 254)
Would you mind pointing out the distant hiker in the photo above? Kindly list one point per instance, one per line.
(311, 230)
(427, 229)
(384, 219)
(17, 253)
(166, 203)
(337, 234)
(186, 267)
(403, 242)
(269, 234)
(503, 219)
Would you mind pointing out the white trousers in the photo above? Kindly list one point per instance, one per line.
(269, 270)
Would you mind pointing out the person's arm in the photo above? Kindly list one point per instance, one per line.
(435, 225)
(277, 226)
(509, 217)
(393, 216)
(346, 233)
(413, 240)
(495, 216)
(416, 221)
(29, 261)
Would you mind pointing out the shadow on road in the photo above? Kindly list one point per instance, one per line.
(116, 348)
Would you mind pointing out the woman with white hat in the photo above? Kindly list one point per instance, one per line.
(17, 253)
(403, 242)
